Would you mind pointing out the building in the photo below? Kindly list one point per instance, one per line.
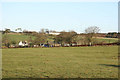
(54, 33)
(23, 44)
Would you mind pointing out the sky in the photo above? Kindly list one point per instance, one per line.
(60, 16)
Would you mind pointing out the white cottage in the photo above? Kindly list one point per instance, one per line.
(23, 43)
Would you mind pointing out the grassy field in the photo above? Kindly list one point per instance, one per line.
(108, 40)
(18, 37)
(67, 62)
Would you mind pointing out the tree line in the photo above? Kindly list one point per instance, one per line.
(63, 38)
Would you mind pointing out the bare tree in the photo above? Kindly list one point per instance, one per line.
(42, 30)
(93, 29)
(91, 32)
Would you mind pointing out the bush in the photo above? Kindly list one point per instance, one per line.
(13, 42)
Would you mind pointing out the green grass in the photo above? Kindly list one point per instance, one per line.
(18, 37)
(67, 62)
(108, 40)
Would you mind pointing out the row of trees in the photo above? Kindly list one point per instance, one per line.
(113, 35)
(68, 37)
(19, 30)
(62, 38)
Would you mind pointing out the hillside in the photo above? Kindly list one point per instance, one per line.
(19, 37)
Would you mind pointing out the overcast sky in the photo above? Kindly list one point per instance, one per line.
(60, 15)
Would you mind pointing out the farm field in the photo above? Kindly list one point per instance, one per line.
(62, 62)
